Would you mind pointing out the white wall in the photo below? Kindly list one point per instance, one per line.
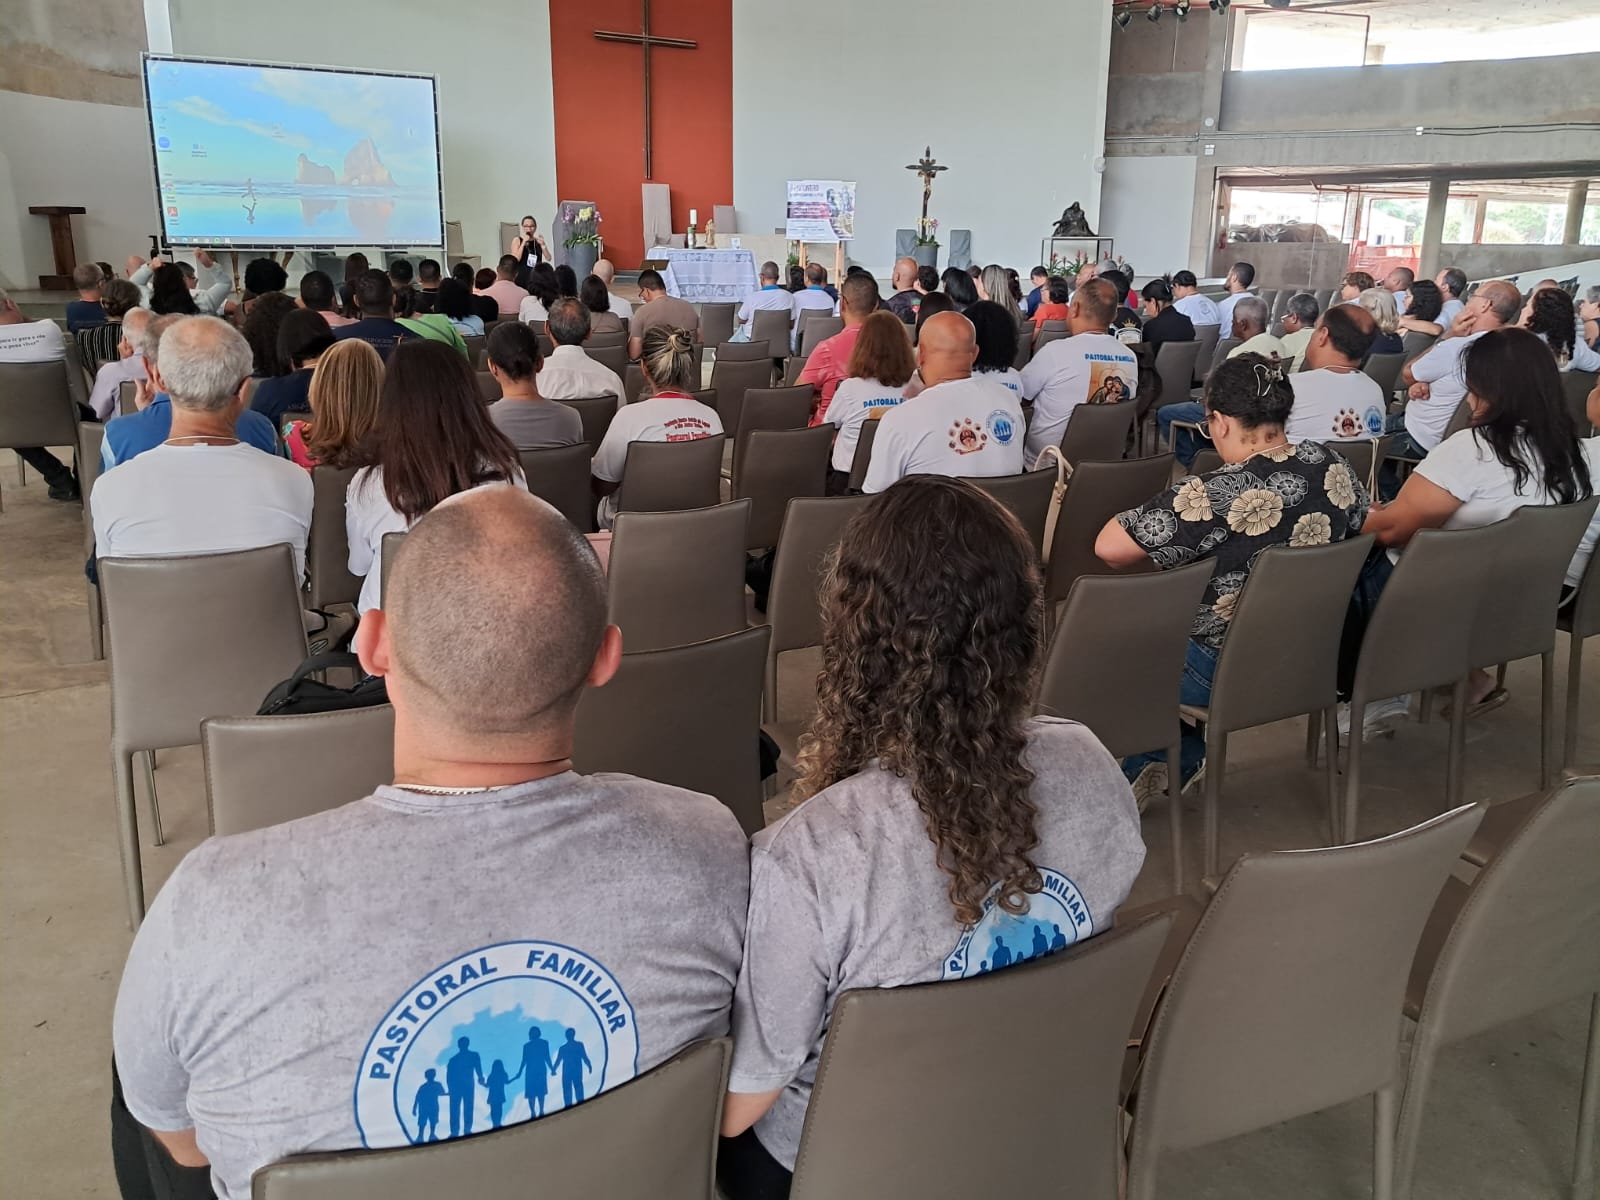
(496, 109)
(55, 151)
(1145, 204)
(988, 89)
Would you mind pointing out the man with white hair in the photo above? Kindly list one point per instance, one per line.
(607, 275)
(128, 367)
(202, 490)
(134, 433)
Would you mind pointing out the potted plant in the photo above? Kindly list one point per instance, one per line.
(926, 251)
(583, 240)
(1068, 268)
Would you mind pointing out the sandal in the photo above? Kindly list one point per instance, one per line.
(1495, 699)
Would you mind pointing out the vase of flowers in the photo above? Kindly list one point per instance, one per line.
(926, 251)
(583, 242)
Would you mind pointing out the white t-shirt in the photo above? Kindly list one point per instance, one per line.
(1008, 377)
(1334, 406)
(810, 297)
(32, 342)
(202, 499)
(620, 307)
(1440, 369)
(1465, 466)
(1201, 310)
(668, 417)
(966, 428)
(1448, 312)
(1090, 368)
(856, 402)
(570, 374)
(1225, 308)
(769, 297)
(531, 309)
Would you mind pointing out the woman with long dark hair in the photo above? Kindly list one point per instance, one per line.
(1422, 314)
(944, 832)
(355, 266)
(169, 292)
(597, 299)
(959, 286)
(566, 281)
(434, 439)
(1551, 315)
(261, 331)
(543, 291)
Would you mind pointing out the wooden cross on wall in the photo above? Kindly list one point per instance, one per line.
(646, 41)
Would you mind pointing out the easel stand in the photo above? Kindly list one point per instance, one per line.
(838, 260)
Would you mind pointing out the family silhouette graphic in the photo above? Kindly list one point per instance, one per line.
(1001, 955)
(464, 1075)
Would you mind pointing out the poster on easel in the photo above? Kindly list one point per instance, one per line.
(821, 210)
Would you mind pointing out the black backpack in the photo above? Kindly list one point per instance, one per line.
(301, 694)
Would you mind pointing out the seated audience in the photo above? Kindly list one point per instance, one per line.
(997, 347)
(1379, 302)
(1187, 299)
(661, 311)
(127, 368)
(1125, 323)
(1551, 315)
(169, 292)
(355, 266)
(1299, 323)
(343, 399)
(960, 287)
(1248, 400)
(434, 326)
(400, 276)
(260, 330)
(453, 301)
(927, 280)
(1090, 367)
(209, 301)
(1424, 313)
(770, 295)
(262, 277)
(815, 294)
(303, 336)
(485, 307)
(316, 294)
(569, 373)
(881, 365)
(830, 359)
(566, 281)
(1238, 283)
(994, 286)
(1452, 282)
(945, 832)
(608, 276)
(132, 434)
(25, 341)
(797, 278)
(931, 305)
(529, 419)
(1250, 327)
(903, 279)
(592, 291)
(377, 326)
(1039, 277)
(1398, 284)
(1162, 321)
(1589, 318)
(202, 490)
(542, 293)
(427, 294)
(503, 288)
(1054, 306)
(668, 412)
(1334, 400)
(85, 310)
(1520, 449)
(101, 343)
(959, 425)
(495, 626)
(1354, 284)
(1433, 379)
(434, 439)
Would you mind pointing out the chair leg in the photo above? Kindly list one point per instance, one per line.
(97, 644)
(149, 757)
(1383, 1143)
(1313, 731)
(1588, 1109)
(1500, 676)
(1175, 812)
(1454, 761)
(1569, 744)
(128, 837)
(1330, 725)
(22, 471)
(1352, 773)
(1547, 703)
(1408, 1130)
(1425, 709)
(1216, 754)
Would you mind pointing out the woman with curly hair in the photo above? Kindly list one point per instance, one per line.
(1551, 314)
(944, 832)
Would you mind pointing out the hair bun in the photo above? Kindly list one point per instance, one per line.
(678, 339)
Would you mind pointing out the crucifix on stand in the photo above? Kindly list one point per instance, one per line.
(927, 168)
(647, 41)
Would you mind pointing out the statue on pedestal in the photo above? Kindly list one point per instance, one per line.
(1073, 223)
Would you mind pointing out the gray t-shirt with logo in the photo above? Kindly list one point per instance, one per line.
(845, 893)
(413, 967)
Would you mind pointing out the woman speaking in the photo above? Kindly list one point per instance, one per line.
(529, 248)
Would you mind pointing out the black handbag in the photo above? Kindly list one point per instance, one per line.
(302, 694)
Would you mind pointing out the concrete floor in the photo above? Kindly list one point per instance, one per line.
(1503, 1112)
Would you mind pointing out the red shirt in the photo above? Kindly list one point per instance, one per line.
(827, 367)
(1048, 312)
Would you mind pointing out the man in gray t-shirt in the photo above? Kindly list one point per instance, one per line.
(490, 938)
(846, 892)
(527, 419)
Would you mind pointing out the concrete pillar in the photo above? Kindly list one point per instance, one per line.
(1577, 197)
(158, 26)
(1206, 223)
(1428, 264)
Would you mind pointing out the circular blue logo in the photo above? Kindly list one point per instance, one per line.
(1057, 917)
(1374, 421)
(1002, 426)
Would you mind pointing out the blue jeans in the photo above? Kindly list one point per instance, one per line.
(1199, 668)
(1186, 445)
(1403, 446)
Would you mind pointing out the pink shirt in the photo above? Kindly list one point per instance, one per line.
(334, 320)
(827, 368)
(507, 295)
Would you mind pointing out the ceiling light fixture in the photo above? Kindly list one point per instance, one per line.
(1181, 10)
(1155, 13)
(1277, 3)
(1123, 18)
(1219, 6)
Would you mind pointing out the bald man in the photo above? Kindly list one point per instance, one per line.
(128, 368)
(960, 424)
(1433, 379)
(607, 275)
(291, 987)
(903, 303)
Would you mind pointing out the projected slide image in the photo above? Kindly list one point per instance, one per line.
(261, 156)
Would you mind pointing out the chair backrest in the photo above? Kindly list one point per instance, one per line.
(1287, 998)
(671, 1114)
(1098, 432)
(811, 529)
(176, 661)
(924, 1052)
(863, 458)
(386, 551)
(778, 465)
(1360, 454)
(596, 414)
(716, 322)
(771, 408)
(1261, 674)
(632, 383)
(335, 757)
(772, 325)
(792, 370)
(127, 391)
(1047, 335)
(327, 545)
(91, 436)
(613, 337)
(1384, 369)
(1413, 344)
(1206, 336)
(1517, 601)
(475, 345)
(613, 357)
(1027, 496)
(1024, 346)
(1459, 420)
(1575, 387)
(547, 344)
(728, 352)
(677, 578)
(489, 388)
(1175, 367)
(817, 330)
(40, 407)
(560, 477)
(1098, 491)
(1581, 620)
(1117, 658)
(670, 476)
(686, 715)
(731, 379)
(1524, 939)
(1225, 347)
(1205, 460)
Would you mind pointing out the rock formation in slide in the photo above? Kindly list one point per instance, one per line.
(306, 171)
(363, 167)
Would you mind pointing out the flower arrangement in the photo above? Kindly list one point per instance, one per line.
(1068, 268)
(583, 225)
(927, 231)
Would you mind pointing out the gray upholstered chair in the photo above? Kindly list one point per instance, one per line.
(669, 476)
(328, 546)
(559, 476)
(1098, 432)
(1384, 370)
(41, 402)
(772, 326)
(489, 389)
(1027, 496)
(716, 322)
(1580, 620)
(863, 455)
(731, 378)
(612, 357)
(1175, 363)
(771, 408)
(728, 352)
(1097, 492)
(1207, 337)
(817, 329)
(91, 435)
(676, 578)
(778, 465)
(596, 414)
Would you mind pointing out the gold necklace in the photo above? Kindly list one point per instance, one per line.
(205, 439)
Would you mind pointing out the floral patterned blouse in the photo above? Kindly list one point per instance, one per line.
(1305, 495)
